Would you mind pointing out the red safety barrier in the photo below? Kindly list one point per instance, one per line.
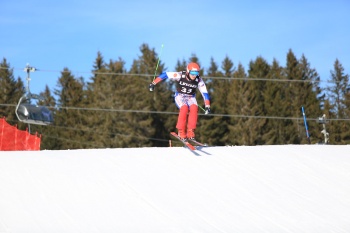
(12, 138)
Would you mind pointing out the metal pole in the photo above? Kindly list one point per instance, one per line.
(306, 127)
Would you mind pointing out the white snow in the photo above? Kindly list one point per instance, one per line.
(290, 188)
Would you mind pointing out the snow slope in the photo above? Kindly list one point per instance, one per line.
(291, 188)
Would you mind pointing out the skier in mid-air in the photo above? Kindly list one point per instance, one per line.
(185, 98)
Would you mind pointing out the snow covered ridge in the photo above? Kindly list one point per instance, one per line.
(292, 188)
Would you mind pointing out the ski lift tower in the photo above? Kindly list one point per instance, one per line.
(322, 120)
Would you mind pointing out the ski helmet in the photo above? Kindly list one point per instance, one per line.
(193, 68)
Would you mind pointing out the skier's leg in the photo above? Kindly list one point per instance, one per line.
(192, 121)
(181, 103)
(181, 121)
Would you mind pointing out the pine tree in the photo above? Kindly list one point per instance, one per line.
(115, 125)
(310, 96)
(302, 90)
(236, 103)
(255, 107)
(338, 94)
(215, 129)
(11, 91)
(104, 94)
(228, 69)
(147, 129)
(345, 135)
(274, 104)
(293, 72)
(210, 129)
(69, 91)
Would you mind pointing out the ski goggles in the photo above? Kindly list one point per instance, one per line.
(194, 72)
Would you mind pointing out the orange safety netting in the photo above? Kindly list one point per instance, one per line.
(12, 138)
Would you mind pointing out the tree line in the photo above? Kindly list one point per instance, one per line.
(259, 105)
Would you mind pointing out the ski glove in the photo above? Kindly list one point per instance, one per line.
(151, 87)
(207, 110)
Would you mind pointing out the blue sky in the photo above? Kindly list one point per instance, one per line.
(52, 35)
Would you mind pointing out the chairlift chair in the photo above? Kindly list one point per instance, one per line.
(29, 113)
(33, 114)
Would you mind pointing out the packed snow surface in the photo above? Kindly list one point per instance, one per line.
(290, 188)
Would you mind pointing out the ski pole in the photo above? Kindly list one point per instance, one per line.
(160, 54)
(305, 123)
(201, 108)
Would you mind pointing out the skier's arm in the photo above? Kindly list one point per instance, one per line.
(162, 77)
(203, 89)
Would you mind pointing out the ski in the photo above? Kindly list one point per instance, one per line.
(197, 143)
(186, 143)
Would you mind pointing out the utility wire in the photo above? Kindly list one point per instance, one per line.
(175, 113)
(204, 77)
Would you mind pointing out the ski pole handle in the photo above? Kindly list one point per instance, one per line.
(206, 110)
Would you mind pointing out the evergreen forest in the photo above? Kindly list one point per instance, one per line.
(257, 105)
